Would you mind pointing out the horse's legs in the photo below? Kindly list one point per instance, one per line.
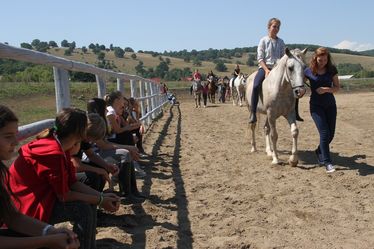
(253, 138)
(199, 99)
(274, 139)
(238, 98)
(195, 96)
(293, 160)
(268, 149)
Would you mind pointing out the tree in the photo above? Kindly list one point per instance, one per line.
(67, 52)
(64, 44)
(72, 45)
(162, 69)
(111, 47)
(196, 62)
(102, 47)
(84, 49)
(140, 68)
(35, 43)
(251, 58)
(42, 47)
(101, 56)
(118, 52)
(128, 49)
(26, 45)
(52, 44)
(221, 67)
(167, 60)
(133, 55)
(91, 46)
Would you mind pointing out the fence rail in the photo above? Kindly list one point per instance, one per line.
(145, 91)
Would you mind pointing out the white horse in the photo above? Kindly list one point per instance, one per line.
(239, 85)
(277, 98)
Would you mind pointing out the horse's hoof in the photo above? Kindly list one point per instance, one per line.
(253, 150)
(275, 162)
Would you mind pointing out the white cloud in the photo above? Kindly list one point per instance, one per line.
(354, 46)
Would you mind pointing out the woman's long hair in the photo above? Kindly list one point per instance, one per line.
(6, 205)
(97, 105)
(321, 51)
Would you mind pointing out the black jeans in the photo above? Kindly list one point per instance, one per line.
(84, 219)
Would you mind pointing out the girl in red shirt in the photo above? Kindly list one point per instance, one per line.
(23, 231)
(43, 179)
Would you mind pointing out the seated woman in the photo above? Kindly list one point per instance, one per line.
(23, 231)
(43, 179)
(119, 154)
(121, 129)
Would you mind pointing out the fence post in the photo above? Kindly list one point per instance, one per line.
(133, 88)
(149, 106)
(121, 85)
(100, 87)
(62, 91)
(142, 105)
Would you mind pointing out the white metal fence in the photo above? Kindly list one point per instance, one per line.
(145, 91)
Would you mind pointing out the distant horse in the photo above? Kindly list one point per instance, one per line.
(277, 98)
(238, 85)
(222, 86)
(197, 89)
(212, 88)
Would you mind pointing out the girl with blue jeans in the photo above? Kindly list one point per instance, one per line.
(323, 78)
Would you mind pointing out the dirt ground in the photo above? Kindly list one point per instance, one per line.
(206, 190)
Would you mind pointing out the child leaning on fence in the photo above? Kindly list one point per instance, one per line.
(23, 231)
(43, 179)
(122, 155)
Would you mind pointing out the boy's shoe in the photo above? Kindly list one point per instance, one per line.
(138, 171)
(329, 168)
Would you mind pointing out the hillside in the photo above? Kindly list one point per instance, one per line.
(127, 64)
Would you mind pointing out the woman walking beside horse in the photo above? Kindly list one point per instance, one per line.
(324, 82)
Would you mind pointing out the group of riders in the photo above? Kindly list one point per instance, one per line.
(212, 83)
(225, 86)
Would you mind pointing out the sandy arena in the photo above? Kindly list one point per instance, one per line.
(206, 190)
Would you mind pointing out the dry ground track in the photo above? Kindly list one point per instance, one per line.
(207, 191)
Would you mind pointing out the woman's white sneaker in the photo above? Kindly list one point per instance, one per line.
(330, 168)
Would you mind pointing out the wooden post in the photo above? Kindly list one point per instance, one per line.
(142, 105)
(149, 104)
(133, 88)
(100, 87)
(121, 85)
(153, 102)
(62, 90)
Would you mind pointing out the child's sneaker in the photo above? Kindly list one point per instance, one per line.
(329, 168)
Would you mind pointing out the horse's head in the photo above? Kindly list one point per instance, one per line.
(294, 71)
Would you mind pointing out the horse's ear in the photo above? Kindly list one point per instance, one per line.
(287, 52)
(304, 50)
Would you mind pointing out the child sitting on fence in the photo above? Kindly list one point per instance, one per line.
(23, 231)
(43, 179)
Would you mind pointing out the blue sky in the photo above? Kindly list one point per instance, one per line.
(173, 25)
